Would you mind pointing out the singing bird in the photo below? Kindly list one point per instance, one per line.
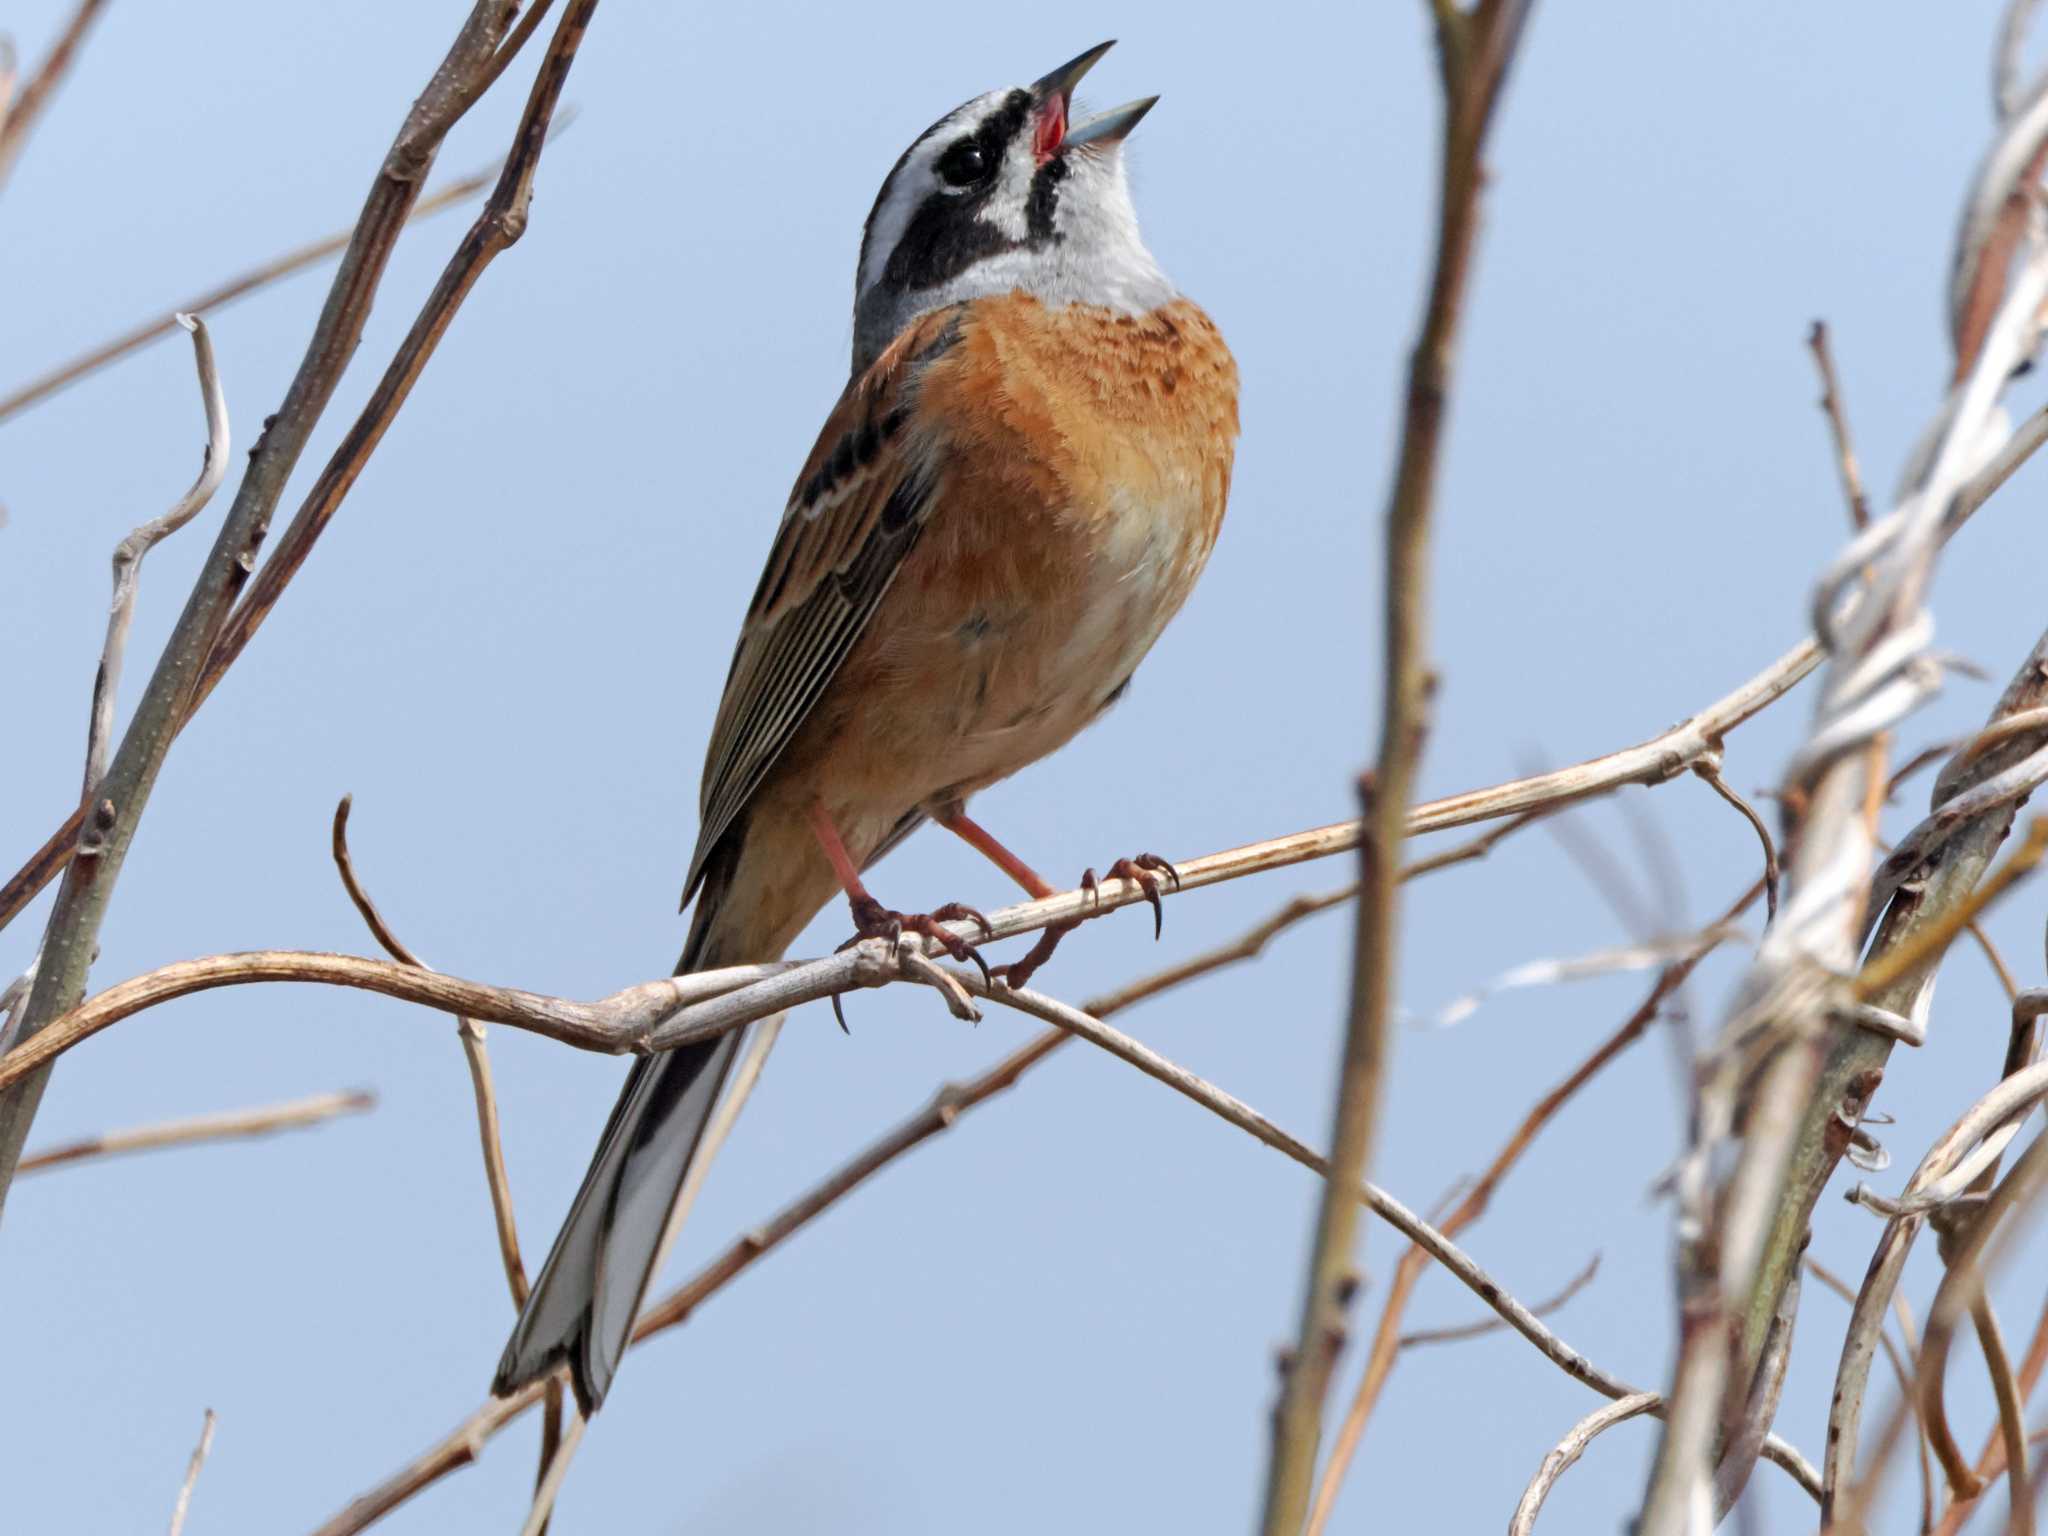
(1015, 493)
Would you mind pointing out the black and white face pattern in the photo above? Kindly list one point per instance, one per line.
(990, 200)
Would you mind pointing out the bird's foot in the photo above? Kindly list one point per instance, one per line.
(1143, 870)
(872, 920)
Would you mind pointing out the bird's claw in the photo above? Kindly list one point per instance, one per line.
(1142, 870)
(872, 920)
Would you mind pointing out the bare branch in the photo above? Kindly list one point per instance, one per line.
(1386, 1339)
(222, 294)
(1707, 769)
(21, 117)
(1476, 50)
(228, 1125)
(1487, 1325)
(211, 631)
(1597, 1423)
(199, 1453)
(554, 1469)
(129, 553)
(1838, 428)
(474, 1052)
(1900, 1369)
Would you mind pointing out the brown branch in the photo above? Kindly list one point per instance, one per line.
(1992, 1460)
(1900, 1369)
(1408, 1272)
(192, 1467)
(35, 96)
(1657, 760)
(228, 1125)
(222, 294)
(1490, 1325)
(1709, 771)
(940, 1114)
(72, 935)
(1475, 49)
(474, 1051)
(1838, 426)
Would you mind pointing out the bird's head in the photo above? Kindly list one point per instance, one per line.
(1003, 193)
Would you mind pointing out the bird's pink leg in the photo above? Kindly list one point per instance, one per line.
(1140, 869)
(871, 919)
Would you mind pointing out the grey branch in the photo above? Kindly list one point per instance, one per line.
(199, 1453)
(228, 1125)
(129, 553)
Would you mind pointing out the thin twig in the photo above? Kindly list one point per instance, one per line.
(1961, 1285)
(129, 553)
(1838, 427)
(1476, 51)
(1487, 1325)
(1991, 1461)
(474, 1052)
(72, 935)
(1657, 760)
(1408, 1272)
(555, 1469)
(939, 1115)
(222, 294)
(198, 1460)
(1708, 770)
(1600, 1420)
(1900, 1369)
(228, 1125)
(21, 116)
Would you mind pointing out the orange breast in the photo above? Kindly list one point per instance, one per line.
(1083, 463)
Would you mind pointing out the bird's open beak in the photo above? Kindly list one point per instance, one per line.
(1055, 94)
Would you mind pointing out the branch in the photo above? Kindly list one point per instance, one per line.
(471, 1033)
(1476, 50)
(193, 658)
(199, 1452)
(28, 106)
(228, 1125)
(659, 1014)
(129, 553)
(1386, 1342)
(1597, 1423)
(1838, 426)
(1774, 1074)
(225, 293)
(1655, 761)
(940, 1114)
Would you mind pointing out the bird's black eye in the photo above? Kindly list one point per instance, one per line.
(963, 165)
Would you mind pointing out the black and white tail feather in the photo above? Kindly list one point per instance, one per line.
(582, 1307)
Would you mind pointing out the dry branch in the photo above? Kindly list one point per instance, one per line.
(223, 294)
(210, 632)
(21, 114)
(496, 1178)
(129, 553)
(1386, 1343)
(228, 1125)
(1777, 1082)
(1475, 47)
(199, 1453)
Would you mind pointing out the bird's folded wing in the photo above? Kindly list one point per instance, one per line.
(861, 501)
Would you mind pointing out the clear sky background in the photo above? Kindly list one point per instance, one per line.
(1063, 1313)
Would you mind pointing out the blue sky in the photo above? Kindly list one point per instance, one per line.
(510, 644)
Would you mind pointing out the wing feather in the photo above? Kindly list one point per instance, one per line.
(858, 507)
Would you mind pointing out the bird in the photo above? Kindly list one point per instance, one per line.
(1022, 480)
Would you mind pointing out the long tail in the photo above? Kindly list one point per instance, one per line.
(581, 1308)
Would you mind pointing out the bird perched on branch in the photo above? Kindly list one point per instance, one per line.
(1014, 495)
